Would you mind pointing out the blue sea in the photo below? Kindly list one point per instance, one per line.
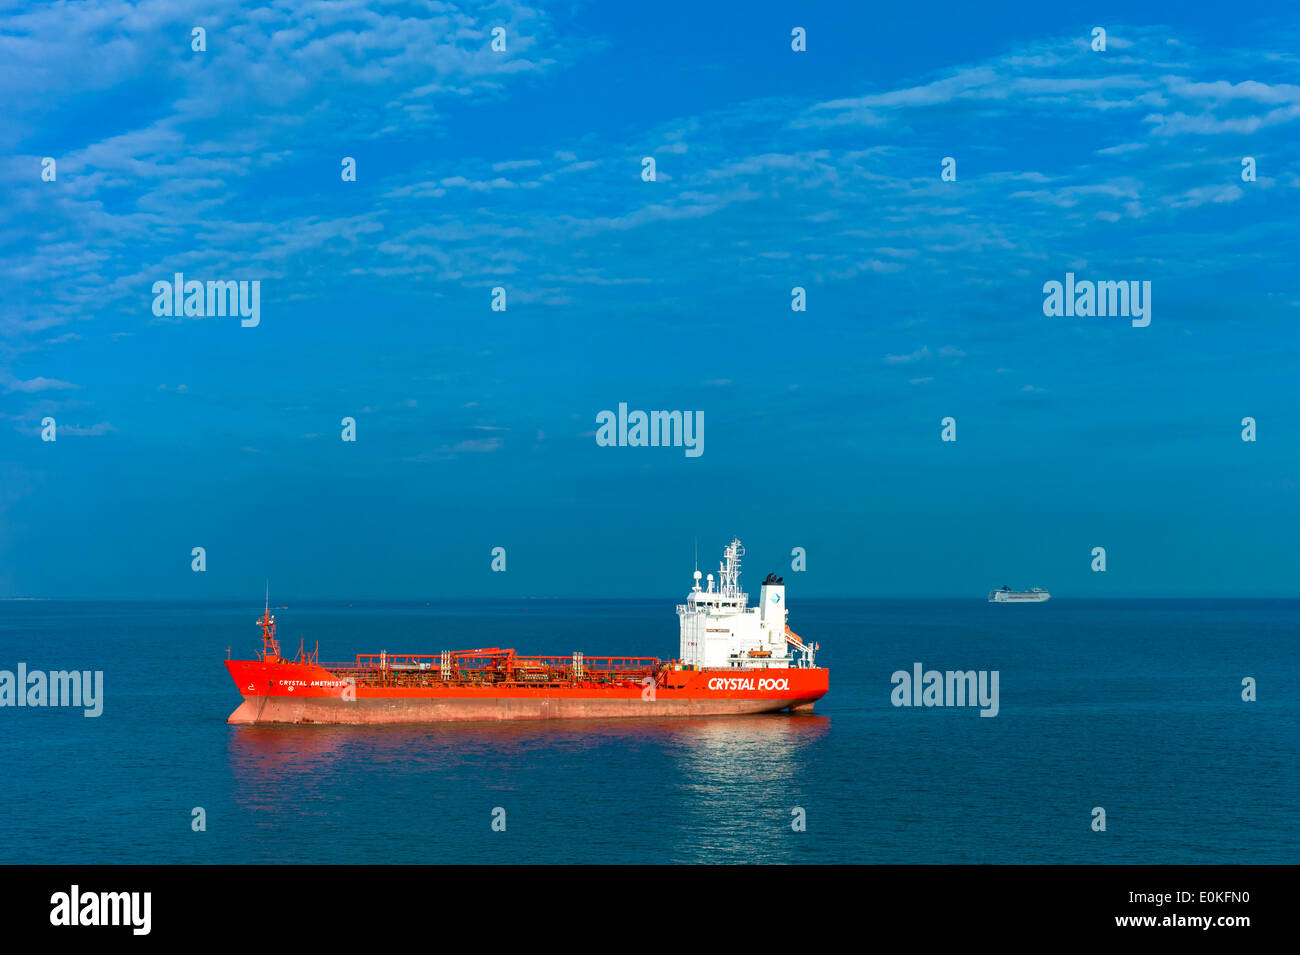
(1134, 706)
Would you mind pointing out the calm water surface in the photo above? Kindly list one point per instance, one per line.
(1134, 706)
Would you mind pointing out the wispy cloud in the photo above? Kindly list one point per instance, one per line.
(33, 385)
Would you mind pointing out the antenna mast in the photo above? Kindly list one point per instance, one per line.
(270, 645)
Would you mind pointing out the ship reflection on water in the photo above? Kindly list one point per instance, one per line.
(711, 784)
(281, 745)
(738, 785)
(275, 750)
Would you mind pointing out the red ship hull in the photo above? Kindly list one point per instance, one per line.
(278, 691)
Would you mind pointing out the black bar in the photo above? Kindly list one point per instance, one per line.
(295, 904)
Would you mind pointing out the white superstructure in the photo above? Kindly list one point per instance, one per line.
(720, 630)
(1006, 596)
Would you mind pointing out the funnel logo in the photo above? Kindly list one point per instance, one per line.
(775, 598)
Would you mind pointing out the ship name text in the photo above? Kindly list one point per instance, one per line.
(748, 683)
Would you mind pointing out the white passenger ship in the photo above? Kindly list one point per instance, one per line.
(1034, 595)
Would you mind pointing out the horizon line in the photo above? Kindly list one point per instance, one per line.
(645, 597)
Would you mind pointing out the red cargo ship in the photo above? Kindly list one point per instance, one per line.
(734, 659)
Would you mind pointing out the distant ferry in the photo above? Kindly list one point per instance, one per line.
(1034, 595)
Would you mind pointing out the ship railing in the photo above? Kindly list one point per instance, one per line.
(398, 661)
(415, 661)
(427, 661)
(477, 661)
(593, 663)
(340, 666)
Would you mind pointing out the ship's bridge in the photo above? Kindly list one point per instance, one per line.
(704, 599)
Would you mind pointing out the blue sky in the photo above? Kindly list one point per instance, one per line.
(775, 169)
